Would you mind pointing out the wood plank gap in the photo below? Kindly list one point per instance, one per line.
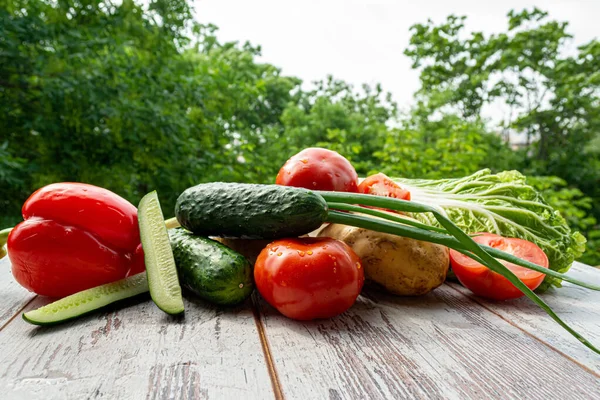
(267, 350)
(18, 312)
(476, 300)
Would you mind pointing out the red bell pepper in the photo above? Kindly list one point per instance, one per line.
(74, 236)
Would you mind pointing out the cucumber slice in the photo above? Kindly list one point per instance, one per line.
(160, 264)
(87, 301)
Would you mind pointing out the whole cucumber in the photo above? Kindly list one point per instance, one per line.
(209, 269)
(250, 211)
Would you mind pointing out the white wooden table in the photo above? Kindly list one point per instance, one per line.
(447, 344)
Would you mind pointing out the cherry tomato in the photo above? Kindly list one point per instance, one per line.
(319, 169)
(486, 283)
(309, 278)
(382, 185)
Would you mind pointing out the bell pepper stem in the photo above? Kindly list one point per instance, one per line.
(172, 223)
(3, 238)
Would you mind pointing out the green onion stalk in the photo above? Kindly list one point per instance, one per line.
(451, 236)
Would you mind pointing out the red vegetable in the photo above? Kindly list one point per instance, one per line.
(74, 236)
(486, 283)
(309, 278)
(381, 185)
(319, 169)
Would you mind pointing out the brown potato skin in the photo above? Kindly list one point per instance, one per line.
(403, 266)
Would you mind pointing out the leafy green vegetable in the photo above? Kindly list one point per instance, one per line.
(504, 204)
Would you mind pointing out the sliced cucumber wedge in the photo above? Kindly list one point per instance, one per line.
(88, 300)
(158, 256)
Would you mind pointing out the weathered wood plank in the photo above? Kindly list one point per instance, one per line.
(442, 345)
(137, 352)
(12, 296)
(579, 307)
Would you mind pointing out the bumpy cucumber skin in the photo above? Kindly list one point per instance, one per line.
(211, 270)
(250, 211)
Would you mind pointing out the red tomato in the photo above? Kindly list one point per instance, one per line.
(318, 169)
(382, 185)
(309, 278)
(486, 283)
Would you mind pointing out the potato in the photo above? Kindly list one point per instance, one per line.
(403, 266)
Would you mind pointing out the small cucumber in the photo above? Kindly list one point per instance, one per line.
(250, 211)
(158, 256)
(211, 270)
(89, 300)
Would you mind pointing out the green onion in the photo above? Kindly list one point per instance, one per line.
(383, 214)
(448, 241)
(460, 242)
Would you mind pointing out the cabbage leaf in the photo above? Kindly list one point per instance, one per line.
(504, 204)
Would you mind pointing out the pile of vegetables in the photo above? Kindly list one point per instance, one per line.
(496, 233)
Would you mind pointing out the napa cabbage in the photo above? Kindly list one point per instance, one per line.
(504, 204)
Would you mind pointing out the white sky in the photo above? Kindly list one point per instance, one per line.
(363, 41)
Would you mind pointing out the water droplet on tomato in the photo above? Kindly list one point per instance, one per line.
(304, 161)
(279, 254)
(309, 253)
(300, 253)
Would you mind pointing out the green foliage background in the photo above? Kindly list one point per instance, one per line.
(134, 98)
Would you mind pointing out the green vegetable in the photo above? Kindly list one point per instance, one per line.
(461, 242)
(503, 204)
(224, 198)
(158, 256)
(89, 300)
(249, 211)
(211, 270)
